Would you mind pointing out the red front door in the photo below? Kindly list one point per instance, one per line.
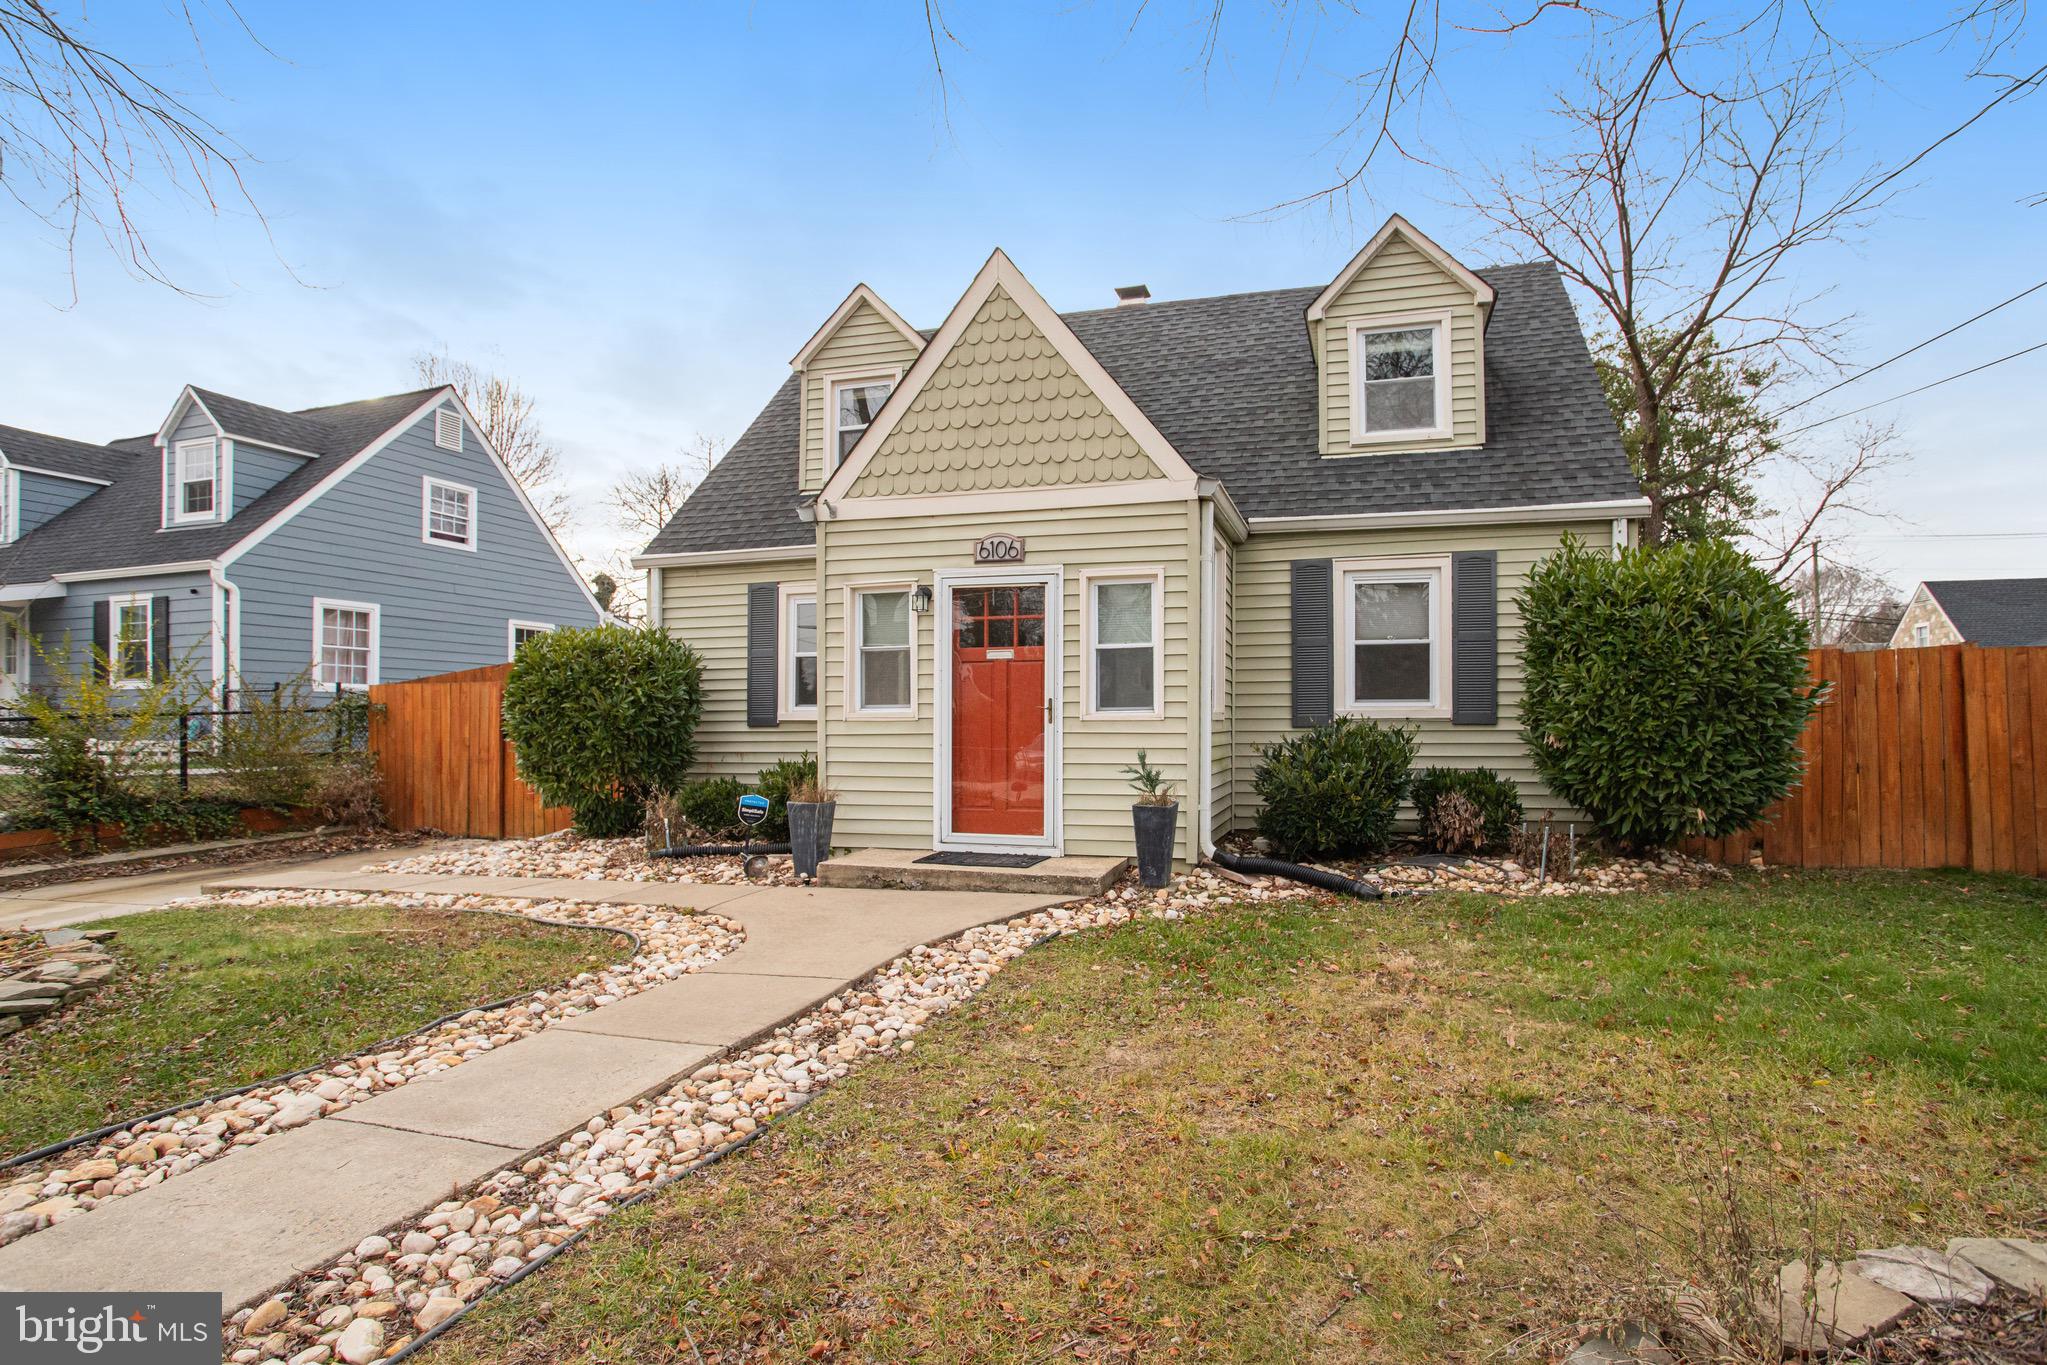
(998, 710)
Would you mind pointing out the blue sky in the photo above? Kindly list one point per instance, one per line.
(642, 211)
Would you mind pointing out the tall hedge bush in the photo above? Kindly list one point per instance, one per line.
(1665, 690)
(602, 718)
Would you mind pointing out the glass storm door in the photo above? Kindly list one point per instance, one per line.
(998, 709)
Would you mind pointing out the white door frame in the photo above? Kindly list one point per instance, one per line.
(1052, 577)
(14, 686)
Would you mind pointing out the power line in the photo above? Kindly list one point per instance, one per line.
(1977, 369)
(1864, 374)
(1951, 535)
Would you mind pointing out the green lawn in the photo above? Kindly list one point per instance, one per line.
(1396, 1132)
(208, 998)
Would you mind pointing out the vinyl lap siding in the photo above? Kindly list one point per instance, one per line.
(1261, 620)
(1402, 280)
(43, 497)
(258, 470)
(442, 607)
(865, 342)
(883, 767)
(63, 626)
(705, 608)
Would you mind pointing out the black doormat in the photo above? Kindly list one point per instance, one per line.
(983, 859)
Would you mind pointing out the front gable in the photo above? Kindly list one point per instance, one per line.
(1004, 398)
(863, 340)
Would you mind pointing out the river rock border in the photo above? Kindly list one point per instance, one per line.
(672, 942)
(413, 1277)
(48, 970)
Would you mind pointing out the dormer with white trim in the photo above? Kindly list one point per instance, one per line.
(1399, 342)
(848, 369)
(197, 454)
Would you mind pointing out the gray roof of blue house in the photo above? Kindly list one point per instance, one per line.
(1995, 611)
(1230, 381)
(121, 526)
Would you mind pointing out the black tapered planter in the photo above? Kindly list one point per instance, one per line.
(810, 834)
(1155, 828)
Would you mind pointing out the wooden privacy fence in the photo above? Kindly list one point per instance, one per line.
(445, 762)
(1917, 758)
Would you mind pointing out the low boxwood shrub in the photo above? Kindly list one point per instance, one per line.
(1334, 790)
(1665, 690)
(710, 806)
(1494, 801)
(602, 718)
(776, 783)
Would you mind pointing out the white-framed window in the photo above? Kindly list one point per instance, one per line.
(447, 513)
(1400, 379)
(195, 480)
(447, 428)
(799, 652)
(850, 406)
(14, 648)
(1394, 627)
(1125, 614)
(345, 643)
(1922, 635)
(519, 632)
(884, 675)
(131, 640)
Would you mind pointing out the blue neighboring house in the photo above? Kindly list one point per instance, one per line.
(364, 542)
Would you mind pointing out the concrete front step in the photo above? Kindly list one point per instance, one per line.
(898, 869)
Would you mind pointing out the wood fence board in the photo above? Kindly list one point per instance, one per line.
(1909, 734)
(440, 747)
(2025, 853)
(2036, 668)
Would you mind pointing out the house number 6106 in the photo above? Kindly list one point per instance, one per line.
(1000, 549)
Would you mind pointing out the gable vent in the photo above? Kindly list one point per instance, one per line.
(1130, 294)
(447, 429)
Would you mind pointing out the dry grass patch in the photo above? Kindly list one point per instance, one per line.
(1322, 1130)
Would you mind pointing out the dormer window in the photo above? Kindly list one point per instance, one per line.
(854, 402)
(1400, 374)
(195, 492)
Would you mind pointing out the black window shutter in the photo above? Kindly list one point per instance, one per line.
(1314, 659)
(102, 637)
(761, 626)
(1475, 637)
(160, 637)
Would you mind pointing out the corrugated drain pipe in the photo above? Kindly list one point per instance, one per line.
(1310, 876)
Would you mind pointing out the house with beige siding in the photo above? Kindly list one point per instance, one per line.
(976, 569)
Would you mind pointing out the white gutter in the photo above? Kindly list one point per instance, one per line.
(30, 592)
(227, 646)
(1204, 705)
(679, 561)
(139, 571)
(1546, 511)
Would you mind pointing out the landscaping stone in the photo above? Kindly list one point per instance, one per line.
(439, 1308)
(571, 855)
(361, 1342)
(266, 1316)
(2011, 1261)
(1925, 1274)
(1630, 1346)
(1836, 1307)
(30, 990)
(39, 972)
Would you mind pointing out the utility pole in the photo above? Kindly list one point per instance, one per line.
(1816, 592)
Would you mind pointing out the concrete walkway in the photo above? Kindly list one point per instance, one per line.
(249, 1221)
(64, 904)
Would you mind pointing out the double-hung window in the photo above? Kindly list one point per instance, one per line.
(799, 654)
(195, 492)
(884, 672)
(853, 404)
(517, 633)
(1392, 623)
(1123, 616)
(1399, 377)
(448, 513)
(132, 644)
(344, 643)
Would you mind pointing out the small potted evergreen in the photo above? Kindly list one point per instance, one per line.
(1157, 818)
(811, 807)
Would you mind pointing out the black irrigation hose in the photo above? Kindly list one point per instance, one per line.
(79, 1139)
(1311, 876)
(715, 850)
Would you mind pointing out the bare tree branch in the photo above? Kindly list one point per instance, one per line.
(512, 427)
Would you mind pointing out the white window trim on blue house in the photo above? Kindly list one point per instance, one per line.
(429, 484)
(323, 605)
(217, 454)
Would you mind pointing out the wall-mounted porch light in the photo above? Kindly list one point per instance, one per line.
(920, 599)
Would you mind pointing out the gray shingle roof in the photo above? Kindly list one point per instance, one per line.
(1230, 381)
(61, 455)
(121, 526)
(1995, 611)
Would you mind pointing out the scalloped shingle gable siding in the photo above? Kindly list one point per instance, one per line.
(1003, 410)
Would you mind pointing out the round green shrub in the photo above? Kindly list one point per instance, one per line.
(1665, 690)
(711, 806)
(1497, 798)
(603, 717)
(1334, 789)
